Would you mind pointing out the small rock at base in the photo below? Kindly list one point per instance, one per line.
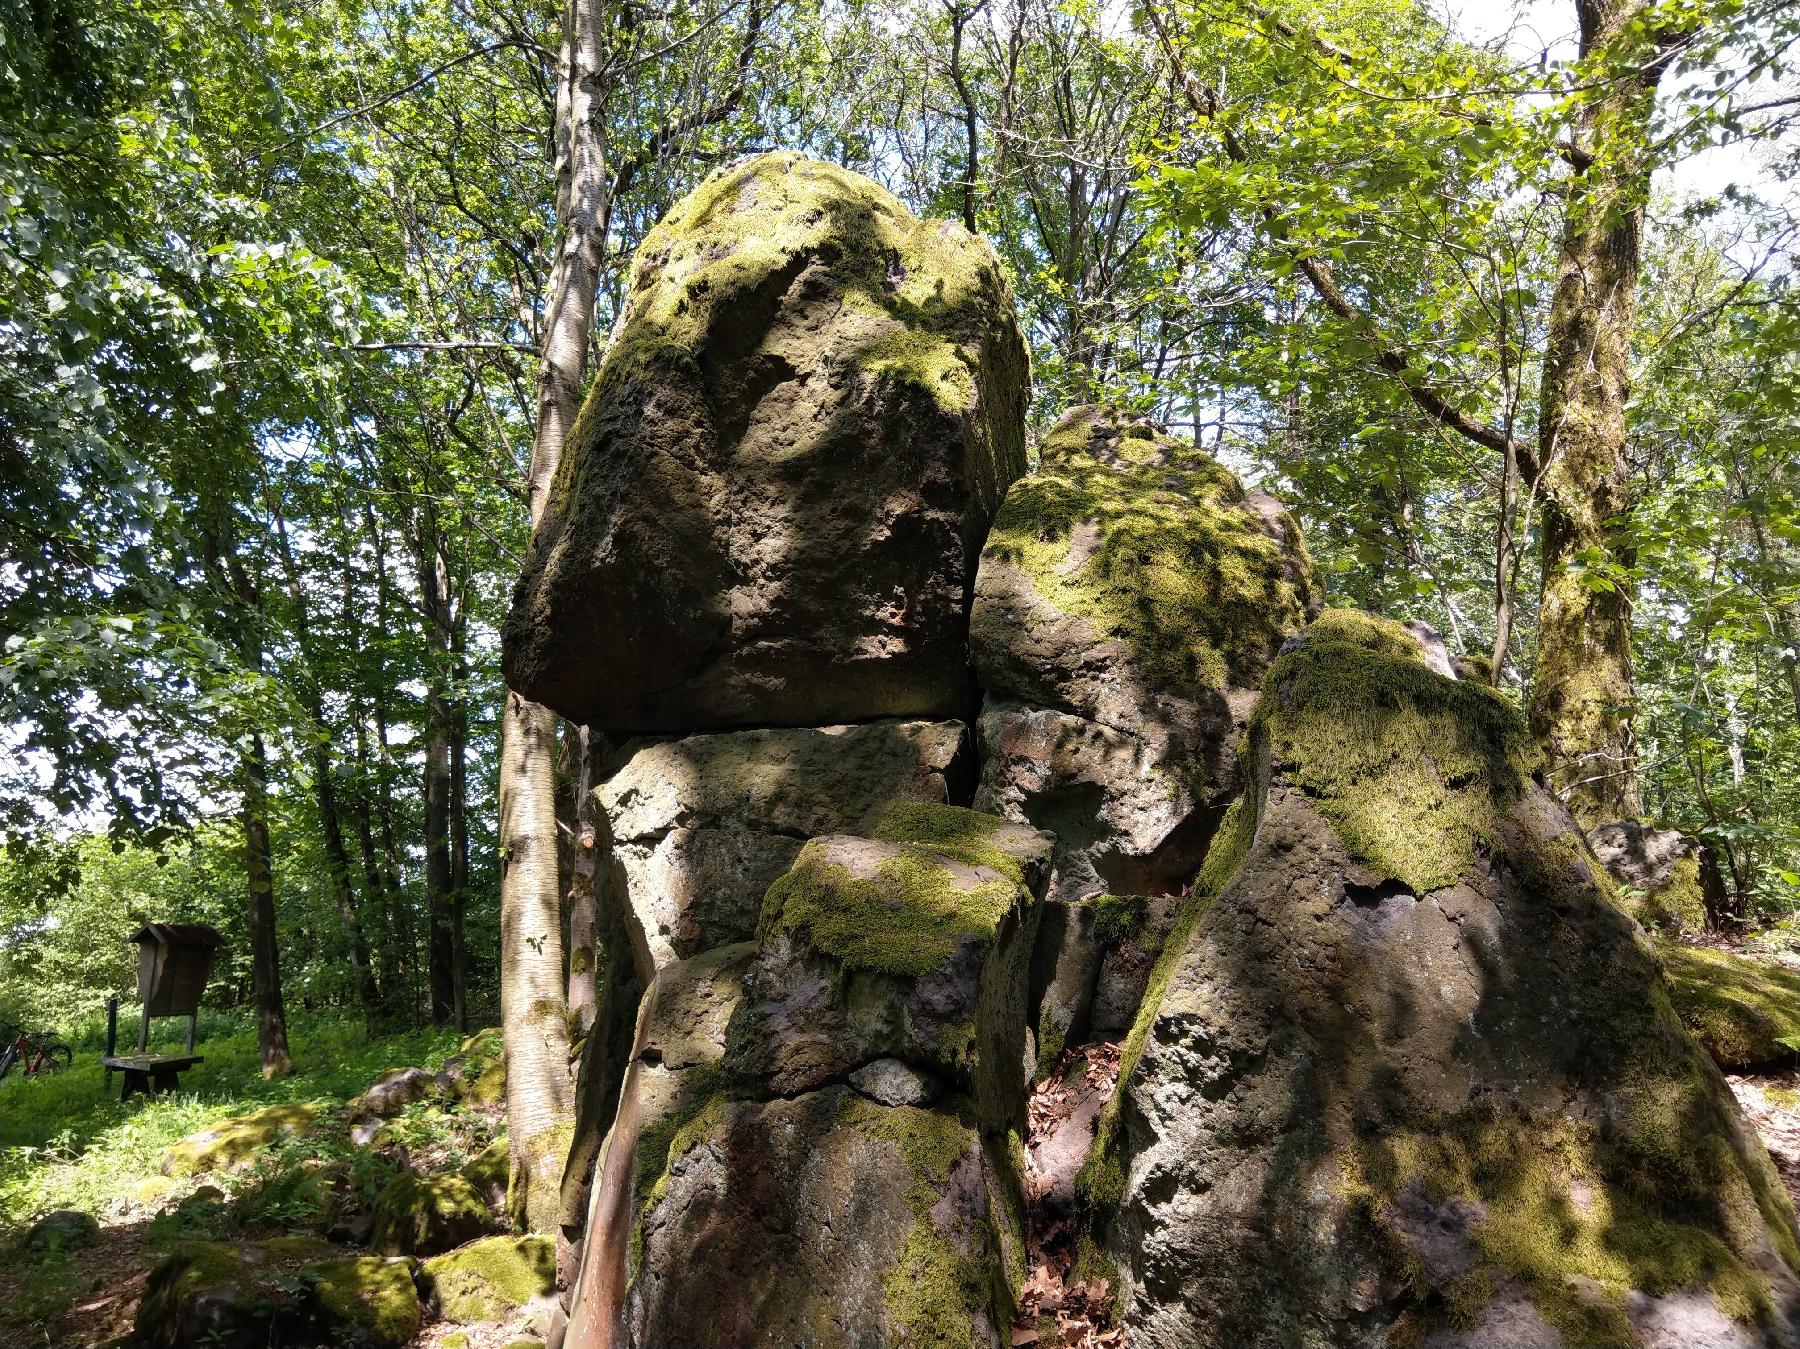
(891, 1082)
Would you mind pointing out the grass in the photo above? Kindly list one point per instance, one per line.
(67, 1142)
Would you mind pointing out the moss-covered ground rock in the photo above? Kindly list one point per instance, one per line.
(422, 1215)
(233, 1141)
(1744, 1010)
(224, 1296)
(366, 1301)
(1666, 879)
(775, 495)
(487, 1280)
(1407, 1074)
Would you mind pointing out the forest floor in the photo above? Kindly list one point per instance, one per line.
(66, 1142)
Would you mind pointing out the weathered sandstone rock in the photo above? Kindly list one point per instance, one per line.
(1408, 1072)
(776, 494)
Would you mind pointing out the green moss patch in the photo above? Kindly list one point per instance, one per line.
(1555, 1209)
(235, 1140)
(907, 918)
(367, 1300)
(1745, 1012)
(488, 1279)
(1149, 539)
(1407, 765)
(950, 831)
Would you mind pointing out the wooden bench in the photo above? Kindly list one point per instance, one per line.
(151, 1074)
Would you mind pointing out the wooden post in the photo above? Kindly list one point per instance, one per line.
(112, 1034)
(193, 1027)
(144, 1030)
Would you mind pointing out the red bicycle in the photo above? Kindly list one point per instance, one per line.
(36, 1054)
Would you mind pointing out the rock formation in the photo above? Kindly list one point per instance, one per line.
(780, 483)
(1410, 1072)
(1399, 1069)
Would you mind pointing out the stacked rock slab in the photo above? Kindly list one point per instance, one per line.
(1408, 1074)
(1129, 599)
(812, 1123)
(753, 575)
(776, 494)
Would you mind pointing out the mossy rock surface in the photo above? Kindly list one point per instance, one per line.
(1406, 1072)
(224, 1296)
(1663, 875)
(1130, 596)
(489, 1171)
(772, 501)
(366, 1301)
(423, 1215)
(826, 1219)
(232, 1141)
(1744, 1010)
(487, 1280)
(699, 828)
(915, 944)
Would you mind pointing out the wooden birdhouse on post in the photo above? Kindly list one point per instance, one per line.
(174, 962)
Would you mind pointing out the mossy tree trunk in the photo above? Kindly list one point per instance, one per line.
(1582, 701)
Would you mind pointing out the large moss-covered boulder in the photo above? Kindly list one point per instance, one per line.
(1744, 1010)
(365, 1301)
(422, 1215)
(1130, 596)
(775, 496)
(1408, 1074)
(488, 1280)
(234, 1141)
(915, 944)
(224, 1296)
(821, 1220)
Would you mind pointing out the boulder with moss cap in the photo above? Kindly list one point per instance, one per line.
(422, 1215)
(1407, 1074)
(1130, 596)
(914, 944)
(1667, 880)
(366, 1301)
(226, 1295)
(774, 498)
(231, 1142)
(488, 1280)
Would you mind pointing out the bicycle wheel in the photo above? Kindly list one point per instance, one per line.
(8, 1057)
(52, 1055)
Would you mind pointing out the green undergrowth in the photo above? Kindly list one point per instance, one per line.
(1746, 1012)
(1405, 764)
(1178, 570)
(66, 1141)
(913, 912)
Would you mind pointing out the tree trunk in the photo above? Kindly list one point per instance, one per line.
(265, 956)
(1582, 701)
(582, 897)
(539, 1095)
(434, 600)
(540, 1098)
(459, 827)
